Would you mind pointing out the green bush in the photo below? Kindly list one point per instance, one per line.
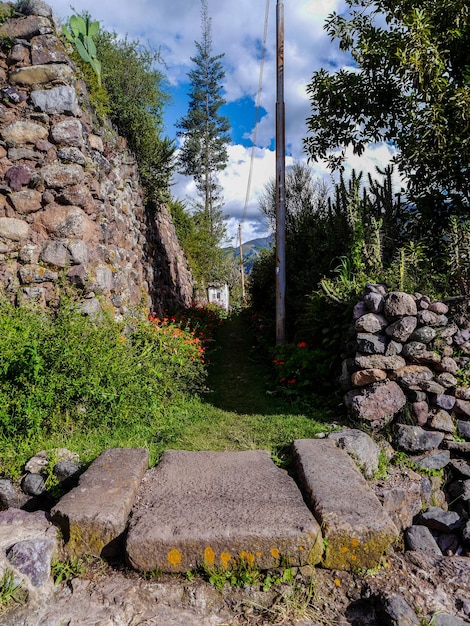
(66, 373)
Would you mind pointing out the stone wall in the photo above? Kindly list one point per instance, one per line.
(408, 360)
(71, 206)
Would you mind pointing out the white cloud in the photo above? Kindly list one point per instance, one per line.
(237, 29)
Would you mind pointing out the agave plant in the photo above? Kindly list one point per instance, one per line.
(80, 32)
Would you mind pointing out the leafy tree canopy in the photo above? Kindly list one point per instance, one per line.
(410, 86)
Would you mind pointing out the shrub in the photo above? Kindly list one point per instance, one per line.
(62, 373)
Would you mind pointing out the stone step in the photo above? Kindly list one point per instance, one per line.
(93, 516)
(216, 508)
(356, 529)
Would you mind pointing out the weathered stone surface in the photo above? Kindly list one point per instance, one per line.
(9, 496)
(374, 302)
(421, 411)
(444, 619)
(13, 229)
(436, 518)
(26, 201)
(428, 318)
(420, 538)
(462, 407)
(393, 348)
(461, 467)
(57, 100)
(411, 375)
(417, 352)
(37, 463)
(366, 377)
(402, 328)
(462, 393)
(33, 484)
(93, 516)
(36, 274)
(378, 361)
(56, 253)
(214, 507)
(18, 525)
(447, 380)
(398, 612)
(439, 307)
(367, 343)
(18, 176)
(68, 132)
(33, 559)
(71, 154)
(403, 495)
(357, 531)
(20, 154)
(47, 49)
(370, 323)
(441, 420)
(415, 439)
(448, 364)
(398, 304)
(60, 175)
(24, 132)
(424, 334)
(64, 222)
(78, 252)
(64, 470)
(360, 446)
(376, 405)
(37, 74)
(463, 428)
(434, 460)
(431, 386)
(25, 27)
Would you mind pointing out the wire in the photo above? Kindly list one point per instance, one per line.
(258, 98)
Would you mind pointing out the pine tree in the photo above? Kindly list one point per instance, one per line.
(204, 149)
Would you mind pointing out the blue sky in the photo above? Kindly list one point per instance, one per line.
(172, 26)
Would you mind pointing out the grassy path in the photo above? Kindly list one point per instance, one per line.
(237, 378)
(239, 413)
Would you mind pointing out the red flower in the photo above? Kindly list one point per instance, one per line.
(302, 344)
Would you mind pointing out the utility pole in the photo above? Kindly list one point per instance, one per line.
(242, 267)
(280, 181)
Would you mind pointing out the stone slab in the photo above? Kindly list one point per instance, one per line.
(93, 516)
(356, 529)
(216, 508)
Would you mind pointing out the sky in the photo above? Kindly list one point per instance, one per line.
(173, 26)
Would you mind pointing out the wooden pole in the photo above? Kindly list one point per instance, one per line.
(280, 181)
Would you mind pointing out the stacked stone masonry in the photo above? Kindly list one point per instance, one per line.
(409, 354)
(71, 206)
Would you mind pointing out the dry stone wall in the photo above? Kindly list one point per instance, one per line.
(71, 206)
(408, 351)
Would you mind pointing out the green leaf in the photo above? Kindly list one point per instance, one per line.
(93, 28)
(67, 34)
(77, 25)
(90, 46)
(82, 51)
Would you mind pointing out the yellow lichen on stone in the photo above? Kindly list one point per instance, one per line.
(248, 557)
(225, 559)
(174, 557)
(209, 556)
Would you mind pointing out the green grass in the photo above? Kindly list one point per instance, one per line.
(237, 412)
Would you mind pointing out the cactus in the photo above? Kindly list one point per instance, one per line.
(80, 32)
